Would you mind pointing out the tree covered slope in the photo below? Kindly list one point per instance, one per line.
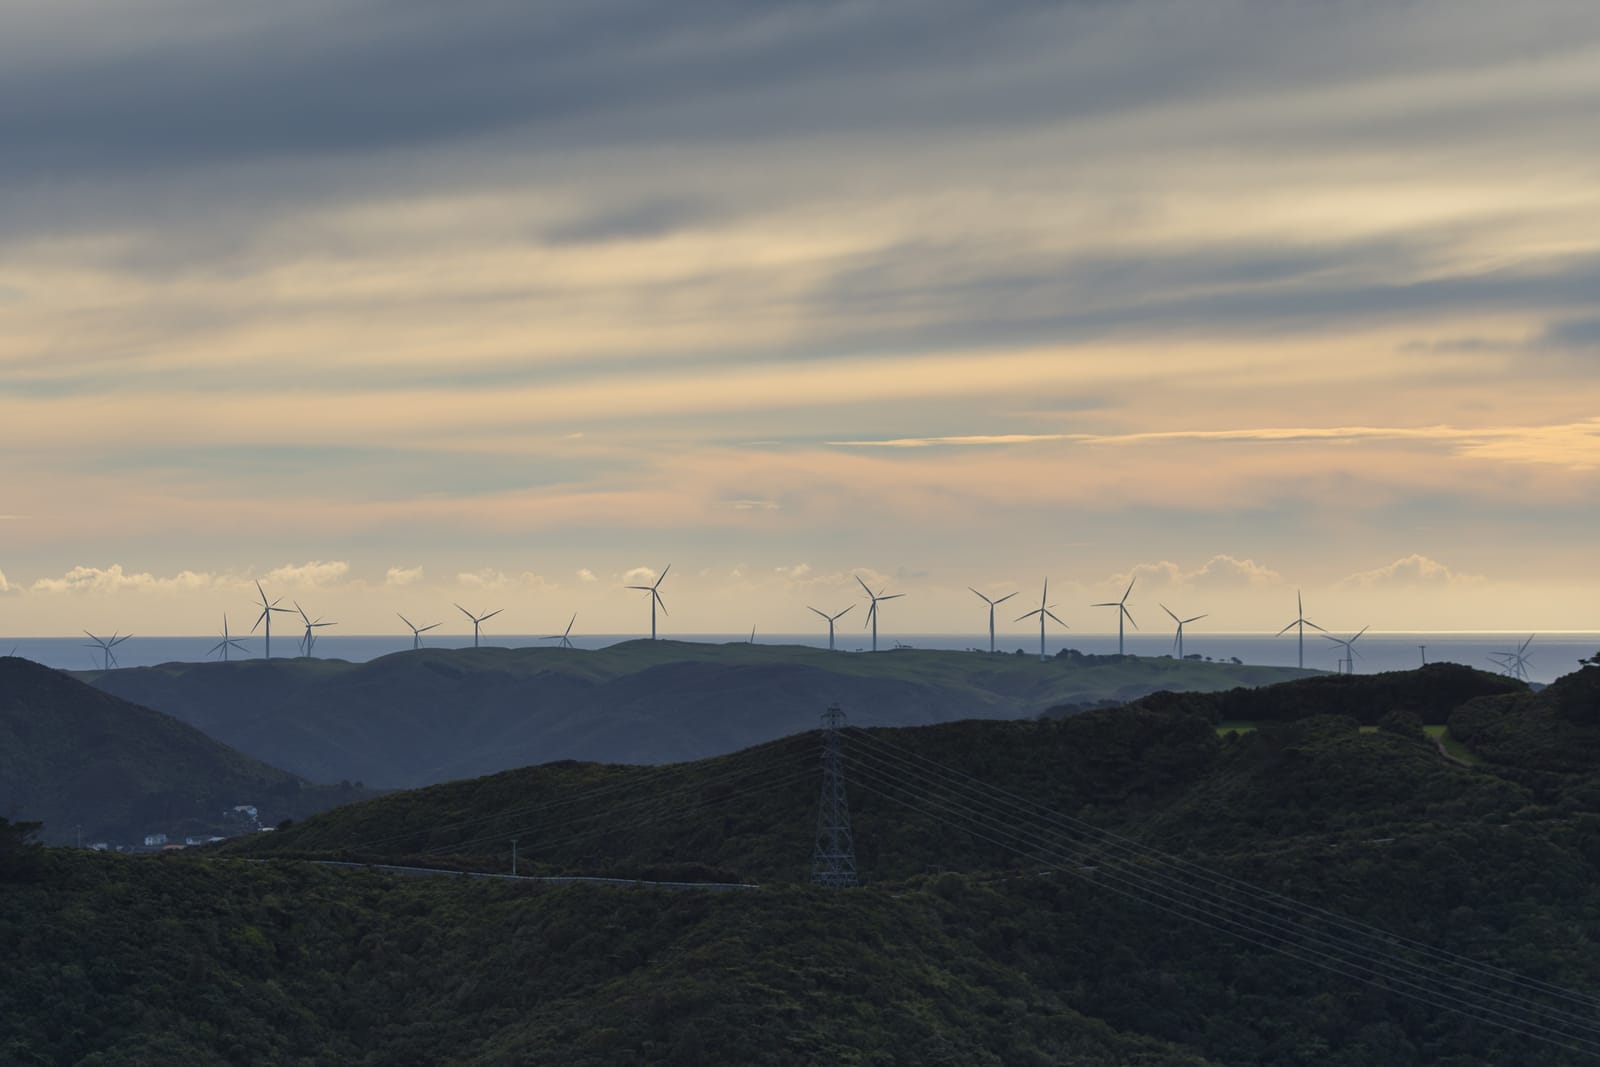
(433, 715)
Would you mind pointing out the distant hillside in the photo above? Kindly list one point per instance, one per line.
(980, 824)
(434, 715)
(1430, 693)
(72, 756)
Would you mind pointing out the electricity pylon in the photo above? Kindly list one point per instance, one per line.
(833, 861)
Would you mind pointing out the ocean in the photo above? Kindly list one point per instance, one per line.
(1549, 656)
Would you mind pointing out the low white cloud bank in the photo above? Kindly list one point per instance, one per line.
(313, 574)
(1218, 572)
(114, 579)
(1413, 570)
(490, 579)
(402, 576)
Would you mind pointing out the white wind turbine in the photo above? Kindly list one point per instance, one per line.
(654, 590)
(1515, 661)
(1122, 611)
(565, 636)
(831, 619)
(105, 645)
(478, 620)
(226, 642)
(1348, 663)
(1302, 622)
(309, 640)
(872, 612)
(1043, 612)
(417, 631)
(992, 604)
(266, 615)
(1177, 642)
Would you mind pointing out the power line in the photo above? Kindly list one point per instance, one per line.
(1375, 967)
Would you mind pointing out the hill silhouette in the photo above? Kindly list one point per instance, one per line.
(434, 715)
(80, 760)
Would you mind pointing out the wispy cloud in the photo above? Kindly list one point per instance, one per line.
(402, 576)
(114, 579)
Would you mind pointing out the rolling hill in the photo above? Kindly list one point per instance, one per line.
(992, 928)
(420, 717)
(82, 761)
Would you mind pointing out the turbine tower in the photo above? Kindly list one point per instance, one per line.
(831, 620)
(1302, 622)
(655, 598)
(477, 620)
(1043, 612)
(226, 642)
(309, 640)
(991, 604)
(105, 645)
(266, 615)
(1350, 652)
(872, 612)
(1122, 611)
(417, 631)
(565, 636)
(1178, 641)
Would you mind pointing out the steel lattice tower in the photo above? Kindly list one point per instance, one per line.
(833, 862)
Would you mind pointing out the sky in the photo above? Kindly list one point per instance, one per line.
(394, 305)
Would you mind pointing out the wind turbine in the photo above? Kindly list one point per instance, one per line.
(1122, 611)
(991, 604)
(105, 645)
(1302, 622)
(417, 631)
(1044, 610)
(1349, 650)
(831, 620)
(226, 642)
(1515, 661)
(477, 619)
(872, 612)
(565, 636)
(655, 598)
(309, 641)
(266, 615)
(1178, 641)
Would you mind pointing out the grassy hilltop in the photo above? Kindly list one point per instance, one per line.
(956, 951)
(433, 715)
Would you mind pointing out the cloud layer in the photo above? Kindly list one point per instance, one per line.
(927, 289)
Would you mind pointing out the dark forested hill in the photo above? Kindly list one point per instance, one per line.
(1101, 889)
(434, 715)
(82, 761)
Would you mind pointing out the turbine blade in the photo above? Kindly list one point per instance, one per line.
(981, 597)
(1118, 604)
(406, 621)
(863, 585)
(1197, 618)
(892, 596)
(425, 629)
(1169, 612)
(663, 577)
(1313, 625)
(1128, 590)
(843, 613)
(465, 612)
(1286, 629)
(491, 614)
(660, 603)
(817, 612)
(1005, 598)
(1029, 615)
(1053, 616)
(1129, 614)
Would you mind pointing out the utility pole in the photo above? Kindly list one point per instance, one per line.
(833, 861)
(1424, 654)
(513, 857)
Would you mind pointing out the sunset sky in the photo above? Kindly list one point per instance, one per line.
(396, 304)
